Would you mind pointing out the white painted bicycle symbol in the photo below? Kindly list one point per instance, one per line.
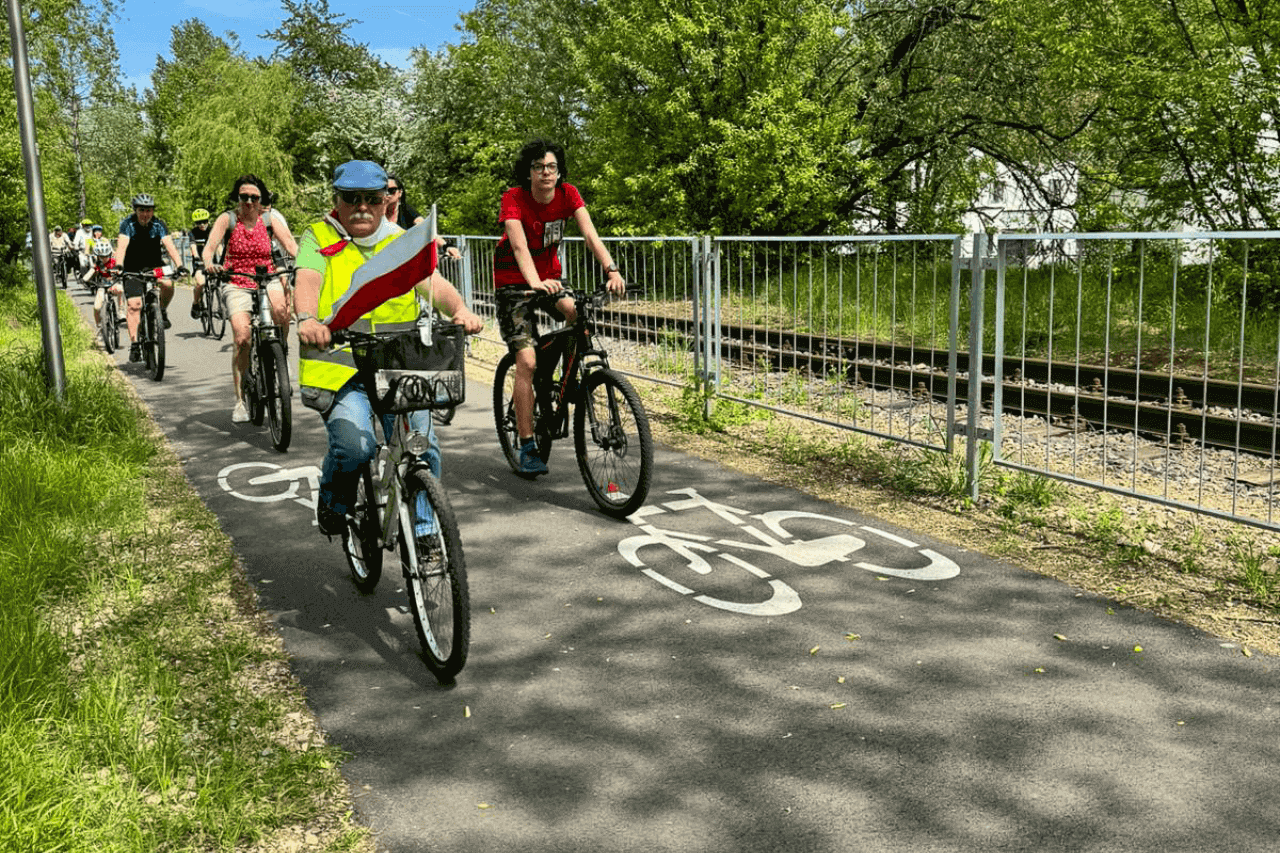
(267, 482)
(773, 538)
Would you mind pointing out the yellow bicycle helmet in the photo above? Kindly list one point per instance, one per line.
(86, 222)
(199, 215)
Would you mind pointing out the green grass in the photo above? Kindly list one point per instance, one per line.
(141, 707)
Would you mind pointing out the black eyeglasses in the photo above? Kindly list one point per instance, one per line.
(549, 168)
(251, 198)
(144, 209)
(355, 199)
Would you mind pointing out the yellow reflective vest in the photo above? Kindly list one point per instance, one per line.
(330, 369)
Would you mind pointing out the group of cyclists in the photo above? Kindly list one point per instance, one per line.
(368, 214)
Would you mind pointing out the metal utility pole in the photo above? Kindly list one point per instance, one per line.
(42, 256)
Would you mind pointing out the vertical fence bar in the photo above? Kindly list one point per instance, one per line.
(977, 287)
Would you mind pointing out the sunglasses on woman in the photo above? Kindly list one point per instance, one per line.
(250, 198)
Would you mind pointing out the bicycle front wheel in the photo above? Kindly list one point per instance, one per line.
(360, 541)
(504, 414)
(612, 442)
(279, 403)
(154, 348)
(254, 394)
(107, 326)
(435, 576)
(216, 310)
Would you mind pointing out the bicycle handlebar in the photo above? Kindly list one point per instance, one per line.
(224, 274)
(600, 296)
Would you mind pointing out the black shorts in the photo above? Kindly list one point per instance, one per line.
(133, 288)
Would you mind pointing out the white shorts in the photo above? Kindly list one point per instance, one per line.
(240, 299)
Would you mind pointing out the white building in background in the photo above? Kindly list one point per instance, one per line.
(1005, 205)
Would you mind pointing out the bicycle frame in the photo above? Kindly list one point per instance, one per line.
(573, 349)
(392, 462)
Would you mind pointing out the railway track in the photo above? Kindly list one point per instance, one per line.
(1235, 415)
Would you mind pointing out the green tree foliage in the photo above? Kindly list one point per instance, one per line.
(74, 60)
(732, 117)
(239, 129)
(180, 82)
(327, 68)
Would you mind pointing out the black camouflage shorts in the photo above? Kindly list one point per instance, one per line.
(517, 315)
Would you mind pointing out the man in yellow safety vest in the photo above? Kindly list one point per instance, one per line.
(329, 253)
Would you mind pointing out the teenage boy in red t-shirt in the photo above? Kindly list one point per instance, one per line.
(533, 216)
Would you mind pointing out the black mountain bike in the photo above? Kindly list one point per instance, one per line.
(150, 324)
(610, 428)
(267, 391)
(109, 316)
(398, 484)
(60, 269)
(213, 319)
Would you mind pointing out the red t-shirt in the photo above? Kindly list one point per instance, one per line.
(543, 229)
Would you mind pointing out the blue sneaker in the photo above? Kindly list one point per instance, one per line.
(530, 462)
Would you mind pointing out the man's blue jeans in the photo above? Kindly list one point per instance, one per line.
(352, 444)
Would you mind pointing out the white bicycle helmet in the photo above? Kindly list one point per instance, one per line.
(101, 249)
(144, 200)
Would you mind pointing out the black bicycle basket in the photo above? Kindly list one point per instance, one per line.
(406, 374)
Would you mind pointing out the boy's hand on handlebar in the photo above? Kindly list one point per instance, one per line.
(315, 333)
(617, 285)
(548, 285)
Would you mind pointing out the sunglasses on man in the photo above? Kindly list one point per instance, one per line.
(355, 199)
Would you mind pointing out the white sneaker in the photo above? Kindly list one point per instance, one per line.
(239, 414)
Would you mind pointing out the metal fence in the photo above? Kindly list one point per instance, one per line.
(1142, 364)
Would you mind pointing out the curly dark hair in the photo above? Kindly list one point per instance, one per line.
(536, 149)
(234, 196)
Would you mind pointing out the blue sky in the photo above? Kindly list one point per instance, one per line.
(142, 29)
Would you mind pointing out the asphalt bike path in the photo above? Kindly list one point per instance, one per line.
(738, 667)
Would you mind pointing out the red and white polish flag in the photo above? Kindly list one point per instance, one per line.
(394, 270)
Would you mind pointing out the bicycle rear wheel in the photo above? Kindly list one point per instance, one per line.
(279, 403)
(435, 575)
(613, 444)
(108, 328)
(153, 349)
(360, 539)
(504, 414)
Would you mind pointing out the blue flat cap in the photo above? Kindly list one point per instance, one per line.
(359, 175)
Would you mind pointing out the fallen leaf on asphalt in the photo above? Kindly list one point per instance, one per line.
(466, 711)
(1039, 669)
(814, 650)
(1060, 638)
(852, 637)
(483, 806)
(1244, 650)
(835, 706)
(840, 679)
(1137, 648)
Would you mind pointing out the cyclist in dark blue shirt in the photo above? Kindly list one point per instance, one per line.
(138, 249)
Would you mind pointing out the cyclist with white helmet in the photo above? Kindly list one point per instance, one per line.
(138, 249)
(103, 263)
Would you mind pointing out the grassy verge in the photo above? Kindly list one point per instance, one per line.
(144, 704)
(1221, 577)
